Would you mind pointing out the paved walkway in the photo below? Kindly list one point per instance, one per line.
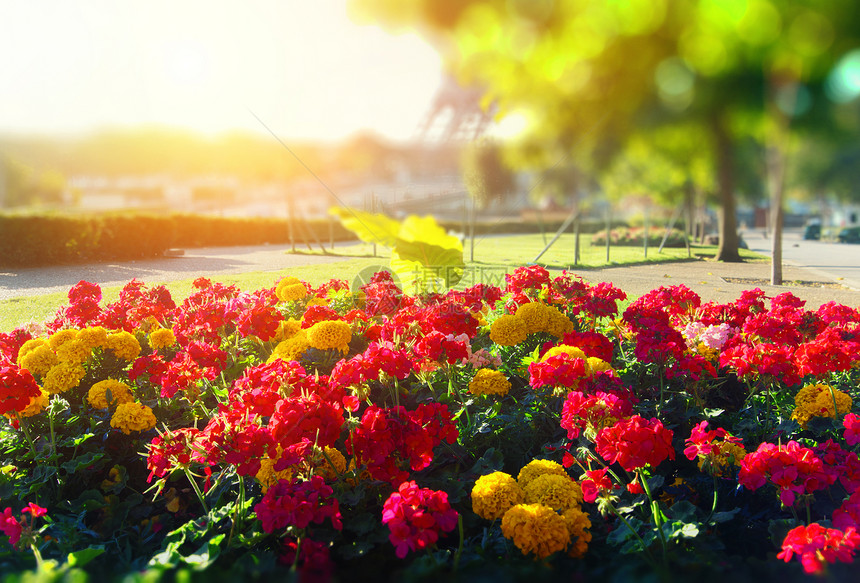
(722, 282)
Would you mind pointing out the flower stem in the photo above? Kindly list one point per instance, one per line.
(23, 425)
(648, 556)
(197, 491)
(460, 547)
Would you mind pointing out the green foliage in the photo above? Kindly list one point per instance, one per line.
(635, 237)
(423, 255)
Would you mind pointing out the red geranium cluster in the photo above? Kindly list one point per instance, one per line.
(438, 347)
(794, 469)
(13, 527)
(561, 370)
(593, 412)
(17, 387)
(298, 504)
(816, 546)
(848, 514)
(416, 516)
(635, 442)
(379, 357)
(701, 441)
(389, 438)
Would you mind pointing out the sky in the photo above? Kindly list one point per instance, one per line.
(303, 67)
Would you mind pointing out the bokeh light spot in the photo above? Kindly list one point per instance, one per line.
(843, 83)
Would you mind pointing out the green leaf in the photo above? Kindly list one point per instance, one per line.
(206, 554)
(82, 557)
(683, 511)
(425, 255)
(369, 227)
(82, 462)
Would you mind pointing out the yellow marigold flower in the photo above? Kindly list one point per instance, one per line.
(557, 492)
(489, 382)
(495, 494)
(725, 455)
(95, 337)
(596, 365)
(323, 468)
(572, 351)
(317, 301)
(268, 477)
(557, 323)
(290, 289)
(29, 346)
(60, 337)
(74, 350)
(535, 315)
(124, 345)
(291, 349)
(508, 330)
(578, 524)
(38, 360)
(132, 417)
(536, 529)
(817, 401)
(62, 377)
(287, 329)
(161, 338)
(119, 393)
(34, 407)
(711, 354)
(536, 468)
(330, 334)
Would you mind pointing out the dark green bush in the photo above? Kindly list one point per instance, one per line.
(635, 236)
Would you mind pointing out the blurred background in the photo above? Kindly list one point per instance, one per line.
(718, 117)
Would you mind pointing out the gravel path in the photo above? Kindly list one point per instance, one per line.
(722, 282)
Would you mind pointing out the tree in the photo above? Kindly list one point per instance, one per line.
(580, 68)
(487, 176)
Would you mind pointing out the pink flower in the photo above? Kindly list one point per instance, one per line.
(11, 526)
(851, 422)
(415, 516)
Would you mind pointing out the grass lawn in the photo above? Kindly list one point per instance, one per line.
(494, 256)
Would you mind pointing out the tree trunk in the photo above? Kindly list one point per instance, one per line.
(728, 250)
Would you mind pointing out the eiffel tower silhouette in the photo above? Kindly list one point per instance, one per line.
(455, 116)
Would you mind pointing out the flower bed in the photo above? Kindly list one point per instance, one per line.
(530, 431)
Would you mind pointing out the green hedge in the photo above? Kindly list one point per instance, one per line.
(634, 236)
(52, 239)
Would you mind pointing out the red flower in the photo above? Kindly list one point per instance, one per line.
(793, 469)
(817, 546)
(848, 514)
(700, 442)
(34, 510)
(635, 443)
(596, 483)
(580, 411)
(17, 387)
(415, 516)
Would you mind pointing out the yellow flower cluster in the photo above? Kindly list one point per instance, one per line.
(536, 529)
(330, 334)
(120, 392)
(540, 317)
(508, 330)
(292, 348)
(59, 360)
(571, 351)
(268, 477)
(818, 401)
(93, 337)
(557, 492)
(727, 454)
(37, 357)
(536, 468)
(287, 329)
(123, 344)
(161, 338)
(495, 494)
(540, 510)
(62, 377)
(290, 289)
(488, 381)
(133, 417)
